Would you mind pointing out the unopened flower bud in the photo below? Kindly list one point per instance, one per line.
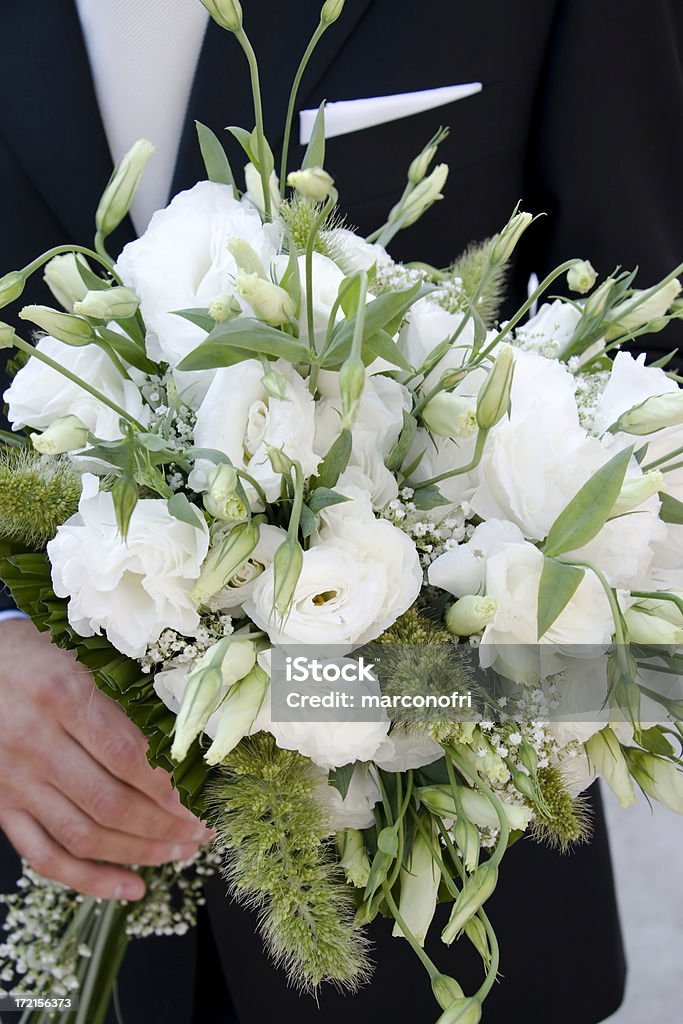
(596, 305)
(505, 243)
(331, 11)
(653, 414)
(468, 841)
(449, 415)
(287, 566)
(420, 881)
(118, 195)
(72, 330)
(353, 857)
(462, 1011)
(108, 304)
(476, 933)
(605, 754)
(470, 614)
(429, 191)
(645, 628)
(630, 314)
(223, 560)
(279, 460)
(226, 13)
(637, 489)
(255, 189)
(451, 378)
(313, 183)
(64, 280)
(225, 307)
(351, 383)
(7, 336)
(474, 894)
(275, 384)
(11, 287)
(446, 990)
(493, 400)
(660, 779)
(246, 257)
(66, 434)
(221, 499)
(238, 713)
(581, 277)
(269, 302)
(420, 165)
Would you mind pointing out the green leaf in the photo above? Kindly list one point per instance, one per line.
(92, 281)
(215, 158)
(398, 453)
(671, 510)
(127, 349)
(315, 152)
(340, 778)
(387, 842)
(381, 345)
(210, 454)
(308, 523)
(198, 317)
(245, 140)
(382, 313)
(153, 442)
(559, 582)
(656, 742)
(180, 508)
(589, 509)
(335, 462)
(243, 338)
(425, 498)
(323, 497)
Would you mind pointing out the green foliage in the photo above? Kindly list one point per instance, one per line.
(36, 495)
(280, 862)
(566, 820)
(470, 268)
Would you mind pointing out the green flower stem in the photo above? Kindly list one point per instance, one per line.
(543, 286)
(492, 972)
(501, 846)
(24, 346)
(315, 39)
(431, 968)
(92, 987)
(318, 359)
(476, 459)
(656, 463)
(60, 250)
(243, 40)
(310, 246)
(295, 518)
(359, 329)
(243, 475)
(445, 873)
(648, 293)
(619, 632)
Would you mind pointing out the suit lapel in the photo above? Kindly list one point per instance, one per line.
(53, 127)
(221, 93)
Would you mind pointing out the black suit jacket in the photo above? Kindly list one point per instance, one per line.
(580, 116)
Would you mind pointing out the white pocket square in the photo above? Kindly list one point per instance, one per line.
(353, 115)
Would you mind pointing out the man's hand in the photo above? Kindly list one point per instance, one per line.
(77, 795)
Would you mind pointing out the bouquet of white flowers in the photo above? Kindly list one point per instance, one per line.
(385, 582)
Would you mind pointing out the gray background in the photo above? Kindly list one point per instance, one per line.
(647, 848)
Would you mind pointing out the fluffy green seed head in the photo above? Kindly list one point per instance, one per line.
(36, 495)
(566, 820)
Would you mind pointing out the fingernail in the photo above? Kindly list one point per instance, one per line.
(129, 891)
(204, 835)
(182, 851)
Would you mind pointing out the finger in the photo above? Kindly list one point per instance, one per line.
(50, 860)
(84, 839)
(101, 727)
(112, 803)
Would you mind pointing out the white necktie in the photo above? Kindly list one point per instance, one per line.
(143, 55)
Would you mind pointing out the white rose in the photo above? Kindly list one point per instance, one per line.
(513, 576)
(375, 431)
(462, 570)
(630, 383)
(239, 418)
(132, 589)
(536, 461)
(404, 749)
(39, 395)
(359, 575)
(355, 810)
(551, 329)
(183, 261)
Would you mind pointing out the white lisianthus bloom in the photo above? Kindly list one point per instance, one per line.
(630, 383)
(40, 395)
(536, 460)
(404, 749)
(427, 324)
(131, 589)
(375, 430)
(513, 576)
(242, 582)
(550, 330)
(462, 569)
(439, 455)
(240, 418)
(576, 770)
(183, 261)
(355, 809)
(327, 279)
(666, 571)
(358, 576)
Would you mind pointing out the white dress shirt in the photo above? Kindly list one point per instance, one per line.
(143, 55)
